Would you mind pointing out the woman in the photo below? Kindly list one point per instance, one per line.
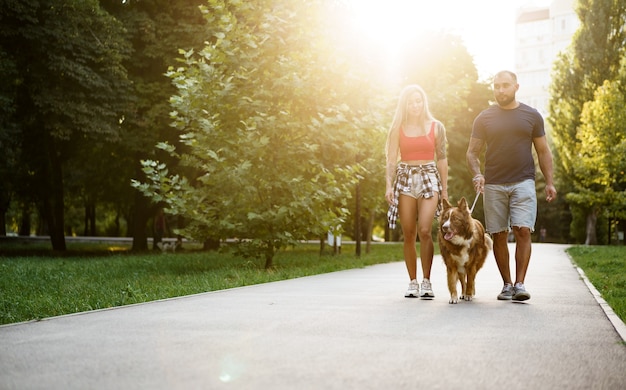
(417, 180)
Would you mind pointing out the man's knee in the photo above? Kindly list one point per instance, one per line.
(500, 236)
(521, 231)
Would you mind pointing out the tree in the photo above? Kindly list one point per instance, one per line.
(157, 30)
(259, 117)
(592, 58)
(8, 136)
(68, 90)
(602, 152)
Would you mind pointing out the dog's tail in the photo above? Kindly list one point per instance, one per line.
(488, 241)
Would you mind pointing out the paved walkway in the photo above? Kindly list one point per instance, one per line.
(344, 330)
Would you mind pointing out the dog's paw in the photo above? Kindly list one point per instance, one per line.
(467, 298)
(453, 300)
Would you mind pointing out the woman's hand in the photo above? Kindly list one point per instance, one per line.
(389, 196)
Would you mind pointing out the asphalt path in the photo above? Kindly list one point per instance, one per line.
(343, 330)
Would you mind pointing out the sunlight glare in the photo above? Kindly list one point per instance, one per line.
(486, 27)
(387, 26)
(389, 30)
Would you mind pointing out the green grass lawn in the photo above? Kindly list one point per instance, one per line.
(36, 283)
(605, 267)
(97, 276)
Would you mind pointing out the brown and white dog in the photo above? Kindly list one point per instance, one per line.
(464, 246)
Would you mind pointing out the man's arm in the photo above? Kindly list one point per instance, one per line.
(544, 155)
(473, 162)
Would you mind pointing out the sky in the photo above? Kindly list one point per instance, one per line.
(487, 27)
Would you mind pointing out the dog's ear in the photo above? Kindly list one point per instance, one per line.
(446, 204)
(463, 204)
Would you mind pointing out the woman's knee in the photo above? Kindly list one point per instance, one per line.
(424, 233)
(409, 232)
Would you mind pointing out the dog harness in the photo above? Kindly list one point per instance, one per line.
(404, 182)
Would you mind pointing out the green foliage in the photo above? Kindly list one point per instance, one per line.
(66, 91)
(68, 56)
(602, 151)
(87, 98)
(157, 30)
(582, 112)
(271, 146)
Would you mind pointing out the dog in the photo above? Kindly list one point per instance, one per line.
(464, 246)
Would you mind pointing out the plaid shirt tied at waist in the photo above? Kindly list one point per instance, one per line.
(404, 182)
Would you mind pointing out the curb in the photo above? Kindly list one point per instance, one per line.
(617, 323)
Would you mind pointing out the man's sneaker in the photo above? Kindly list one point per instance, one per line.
(413, 290)
(507, 292)
(427, 290)
(520, 293)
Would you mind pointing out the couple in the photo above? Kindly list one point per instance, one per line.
(417, 178)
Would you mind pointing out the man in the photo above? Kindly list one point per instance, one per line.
(509, 130)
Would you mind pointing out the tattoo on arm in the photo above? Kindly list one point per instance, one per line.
(472, 155)
(440, 143)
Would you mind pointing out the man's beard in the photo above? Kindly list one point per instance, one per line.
(505, 100)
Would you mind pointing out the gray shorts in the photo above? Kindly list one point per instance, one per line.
(512, 204)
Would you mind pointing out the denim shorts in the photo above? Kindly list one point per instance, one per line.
(417, 185)
(511, 204)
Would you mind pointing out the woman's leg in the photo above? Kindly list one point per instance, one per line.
(427, 209)
(407, 207)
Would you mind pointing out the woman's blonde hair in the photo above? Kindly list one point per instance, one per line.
(399, 118)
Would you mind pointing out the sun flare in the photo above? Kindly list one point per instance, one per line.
(486, 27)
(389, 26)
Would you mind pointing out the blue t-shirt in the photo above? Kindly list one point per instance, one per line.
(508, 135)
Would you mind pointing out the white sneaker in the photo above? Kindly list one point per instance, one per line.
(413, 290)
(507, 293)
(427, 290)
(520, 293)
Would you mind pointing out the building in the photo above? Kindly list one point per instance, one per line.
(540, 34)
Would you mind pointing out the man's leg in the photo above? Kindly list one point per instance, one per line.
(522, 252)
(501, 253)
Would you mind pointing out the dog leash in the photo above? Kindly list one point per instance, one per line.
(475, 200)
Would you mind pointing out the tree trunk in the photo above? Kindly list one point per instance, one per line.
(90, 219)
(54, 202)
(117, 224)
(357, 220)
(24, 229)
(592, 218)
(4, 207)
(141, 216)
(269, 255)
(3, 223)
(370, 228)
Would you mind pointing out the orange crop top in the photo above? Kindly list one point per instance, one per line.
(418, 148)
